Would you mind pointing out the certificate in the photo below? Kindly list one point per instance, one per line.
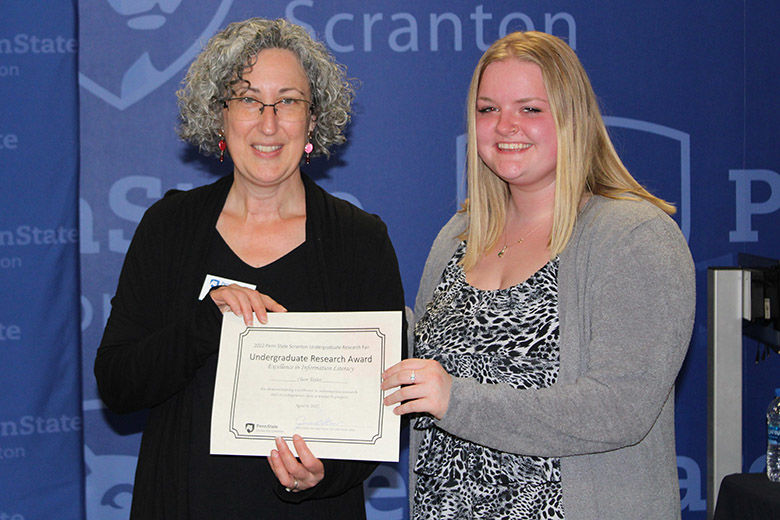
(314, 374)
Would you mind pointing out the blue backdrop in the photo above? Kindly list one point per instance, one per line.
(40, 414)
(688, 93)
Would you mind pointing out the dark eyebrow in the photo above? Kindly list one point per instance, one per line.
(282, 91)
(290, 89)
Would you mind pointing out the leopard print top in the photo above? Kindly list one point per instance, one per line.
(506, 336)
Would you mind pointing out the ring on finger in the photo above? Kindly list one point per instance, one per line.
(294, 488)
(412, 378)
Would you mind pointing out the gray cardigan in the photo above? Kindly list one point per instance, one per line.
(626, 307)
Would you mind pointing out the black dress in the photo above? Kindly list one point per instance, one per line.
(219, 486)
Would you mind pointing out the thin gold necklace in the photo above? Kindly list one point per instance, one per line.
(507, 245)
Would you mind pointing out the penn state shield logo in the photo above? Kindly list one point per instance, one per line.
(150, 41)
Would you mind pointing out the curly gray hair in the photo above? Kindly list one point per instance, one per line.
(232, 52)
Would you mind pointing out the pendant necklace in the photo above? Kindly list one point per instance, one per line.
(507, 245)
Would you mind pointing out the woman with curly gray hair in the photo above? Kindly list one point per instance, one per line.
(264, 239)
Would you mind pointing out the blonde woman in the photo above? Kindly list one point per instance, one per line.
(553, 314)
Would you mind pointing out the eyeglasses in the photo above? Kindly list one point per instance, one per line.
(250, 109)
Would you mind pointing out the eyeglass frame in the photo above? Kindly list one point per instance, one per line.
(262, 106)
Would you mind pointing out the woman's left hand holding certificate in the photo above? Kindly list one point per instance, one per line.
(293, 474)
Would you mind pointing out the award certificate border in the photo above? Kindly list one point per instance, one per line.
(333, 440)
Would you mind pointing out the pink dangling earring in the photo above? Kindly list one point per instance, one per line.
(222, 146)
(308, 149)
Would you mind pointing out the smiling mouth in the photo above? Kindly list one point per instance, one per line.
(261, 148)
(513, 146)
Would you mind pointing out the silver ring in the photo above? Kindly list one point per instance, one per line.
(412, 377)
(295, 484)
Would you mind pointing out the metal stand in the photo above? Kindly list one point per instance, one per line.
(728, 299)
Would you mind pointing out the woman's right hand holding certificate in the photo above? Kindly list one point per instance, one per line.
(244, 302)
(425, 387)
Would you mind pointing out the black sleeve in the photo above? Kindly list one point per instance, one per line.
(150, 350)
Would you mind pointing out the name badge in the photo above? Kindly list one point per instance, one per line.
(215, 281)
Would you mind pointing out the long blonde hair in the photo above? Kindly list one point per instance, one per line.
(586, 161)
